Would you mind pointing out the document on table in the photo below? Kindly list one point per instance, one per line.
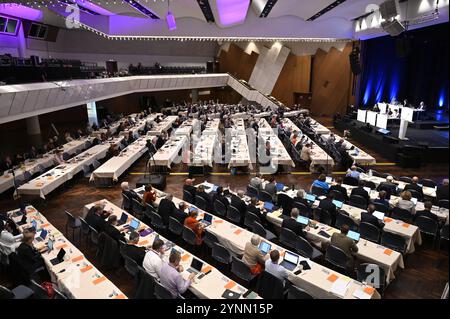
(360, 294)
(340, 287)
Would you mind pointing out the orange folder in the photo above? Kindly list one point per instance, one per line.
(143, 243)
(185, 257)
(87, 268)
(388, 251)
(45, 225)
(122, 296)
(369, 290)
(388, 220)
(74, 260)
(230, 284)
(99, 280)
(332, 278)
(218, 221)
(406, 225)
(206, 269)
(238, 231)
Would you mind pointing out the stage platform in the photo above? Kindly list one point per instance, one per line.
(434, 142)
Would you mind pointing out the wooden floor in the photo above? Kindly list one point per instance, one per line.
(424, 276)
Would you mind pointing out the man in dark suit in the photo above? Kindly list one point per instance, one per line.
(238, 202)
(29, 257)
(293, 224)
(201, 193)
(131, 249)
(361, 191)
(94, 218)
(128, 192)
(346, 244)
(189, 187)
(442, 190)
(367, 217)
(388, 186)
(427, 211)
(300, 197)
(327, 204)
(219, 196)
(166, 208)
(111, 230)
(180, 214)
(414, 186)
(339, 188)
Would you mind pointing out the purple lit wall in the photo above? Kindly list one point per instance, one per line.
(91, 6)
(21, 11)
(232, 11)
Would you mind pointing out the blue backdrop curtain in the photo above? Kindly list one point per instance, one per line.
(419, 75)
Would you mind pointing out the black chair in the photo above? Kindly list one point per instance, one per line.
(131, 266)
(285, 202)
(149, 209)
(370, 184)
(200, 202)
(210, 239)
(443, 203)
(85, 229)
(41, 293)
(189, 236)
(302, 208)
(358, 201)
(145, 288)
(338, 195)
(323, 216)
(389, 191)
(265, 196)
(269, 286)
(93, 235)
(250, 219)
(297, 293)
(318, 191)
(175, 227)
(304, 248)
(72, 223)
(342, 219)
(126, 203)
(233, 215)
(380, 207)
(402, 214)
(156, 221)
(261, 231)
(443, 234)
(220, 208)
(415, 194)
(161, 292)
(241, 270)
(376, 273)
(405, 179)
(348, 180)
(136, 208)
(252, 191)
(337, 258)
(19, 292)
(394, 241)
(376, 173)
(428, 226)
(428, 183)
(220, 254)
(369, 232)
(187, 197)
(288, 238)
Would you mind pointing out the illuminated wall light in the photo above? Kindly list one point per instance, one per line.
(425, 6)
(363, 24)
(357, 26)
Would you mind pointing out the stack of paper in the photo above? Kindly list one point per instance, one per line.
(340, 287)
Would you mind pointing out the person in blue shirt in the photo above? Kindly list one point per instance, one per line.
(321, 182)
(352, 172)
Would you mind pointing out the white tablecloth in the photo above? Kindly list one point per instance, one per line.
(168, 153)
(162, 126)
(279, 155)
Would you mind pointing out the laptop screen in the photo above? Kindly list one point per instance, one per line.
(34, 224)
(215, 187)
(280, 187)
(207, 218)
(61, 254)
(290, 257)
(193, 209)
(124, 217)
(264, 247)
(367, 189)
(43, 234)
(134, 224)
(268, 206)
(414, 200)
(196, 264)
(310, 197)
(303, 220)
(353, 235)
(378, 215)
(329, 179)
(50, 244)
(337, 203)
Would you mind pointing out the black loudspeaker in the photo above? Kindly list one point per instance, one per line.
(388, 9)
(394, 27)
(354, 62)
(158, 181)
(35, 60)
(402, 47)
(210, 67)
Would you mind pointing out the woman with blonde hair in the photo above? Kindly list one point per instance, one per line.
(406, 203)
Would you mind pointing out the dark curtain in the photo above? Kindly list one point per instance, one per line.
(412, 66)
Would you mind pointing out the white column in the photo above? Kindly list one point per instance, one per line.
(34, 131)
(194, 95)
(91, 108)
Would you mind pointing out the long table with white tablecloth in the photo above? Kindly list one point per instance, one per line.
(162, 126)
(211, 286)
(167, 154)
(75, 277)
(278, 153)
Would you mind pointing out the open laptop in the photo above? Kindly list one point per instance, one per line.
(310, 198)
(123, 219)
(207, 220)
(279, 186)
(196, 266)
(134, 225)
(22, 221)
(42, 236)
(264, 247)
(329, 179)
(414, 200)
(59, 258)
(215, 187)
(337, 203)
(268, 206)
(50, 244)
(290, 261)
(367, 189)
(378, 215)
(34, 225)
(303, 220)
(353, 235)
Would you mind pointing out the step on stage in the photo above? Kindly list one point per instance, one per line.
(426, 143)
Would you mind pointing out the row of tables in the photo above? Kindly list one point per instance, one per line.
(75, 277)
(279, 154)
(238, 146)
